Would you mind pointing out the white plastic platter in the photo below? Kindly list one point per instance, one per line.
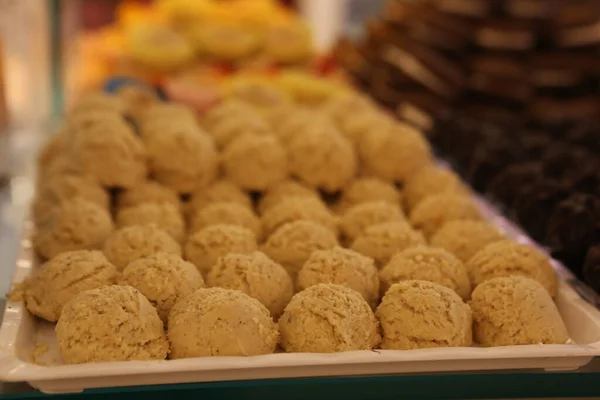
(28, 351)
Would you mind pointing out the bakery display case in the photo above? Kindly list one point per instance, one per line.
(252, 198)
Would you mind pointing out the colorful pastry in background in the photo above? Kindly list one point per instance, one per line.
(186, 47)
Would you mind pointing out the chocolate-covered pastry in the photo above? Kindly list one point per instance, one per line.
(585, 134)
(591, 267)
(507, 34)
(498, 65)
(550, 110)
(421, 109)
(507, 184)
(534, 144)
(508, 89)
(470, 8)
(493, 153)
(491, 112)
(568, 165)
(574, 225)
(424, 65)
(450, 135)
(530, 9)
(400, 13)
(575, 13)
(429, 34)
(580, 35)
(535, 203)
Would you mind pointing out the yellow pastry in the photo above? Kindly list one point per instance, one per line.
(158, 47)
(224, 42)
(289, 43)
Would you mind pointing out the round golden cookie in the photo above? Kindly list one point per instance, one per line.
(98, 101)
(239, 325)
(229, 130)
(327, 318)
(52, 149)
(429, 181)
(368, 189)
(76, 224)
(299, 121)
(359, 217)
(163, 278)
(282, 190)
(382, 241)
(62, 278)
(226, 213)
(111, 153)
(111, 323)
(298, 209)
(294, 242)
(219, 191)
(159, 119)
(515, 310)
(58, 189)
(206, 246)
(395, 152)
(183, 158)
(128, 244)
(427, 264)
(343, 267)
(322, 158)
(508, 258)
(147, 192)
(255, 162)
(434, 211)
(256, 275)
(419, 314)
(226, 110)
(164, 215)
(465, 238)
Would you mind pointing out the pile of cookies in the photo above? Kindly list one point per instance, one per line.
(261, 227)
(510, 91)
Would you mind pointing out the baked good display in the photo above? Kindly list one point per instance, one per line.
(201, 51)
(235, 250)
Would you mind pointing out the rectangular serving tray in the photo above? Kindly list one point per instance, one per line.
(28, 350)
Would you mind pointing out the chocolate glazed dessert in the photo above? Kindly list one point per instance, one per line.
(509, 91)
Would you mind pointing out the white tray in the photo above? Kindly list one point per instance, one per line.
(28, 350)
